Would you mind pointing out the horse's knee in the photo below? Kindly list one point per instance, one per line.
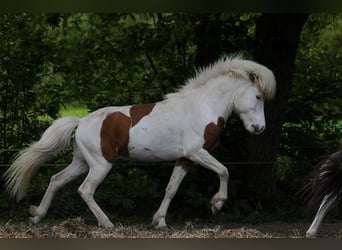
(224, 173)
(84, 193)
(54, 183)
(54, 179)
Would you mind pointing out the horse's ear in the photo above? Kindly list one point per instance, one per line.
(253, 77)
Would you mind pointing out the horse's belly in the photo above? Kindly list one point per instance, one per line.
(149, 144)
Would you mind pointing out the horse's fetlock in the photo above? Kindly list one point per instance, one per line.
(33, 210)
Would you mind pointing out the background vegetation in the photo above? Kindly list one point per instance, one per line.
(60, 64)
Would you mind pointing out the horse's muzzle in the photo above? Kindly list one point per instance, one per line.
(258, 129)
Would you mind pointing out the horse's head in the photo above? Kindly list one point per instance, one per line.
(249, 105)
(249, 99)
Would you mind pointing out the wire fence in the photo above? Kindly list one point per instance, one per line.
(166, 163)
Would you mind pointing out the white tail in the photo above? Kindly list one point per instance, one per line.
(56, 138)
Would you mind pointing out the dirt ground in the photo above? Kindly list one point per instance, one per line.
(77, 228)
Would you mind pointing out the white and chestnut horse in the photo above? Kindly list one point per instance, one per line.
(184, 127)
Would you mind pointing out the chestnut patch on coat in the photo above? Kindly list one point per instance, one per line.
(184, 163)
(212, 134)
(115, 136)
(115, 131)
(139, 111)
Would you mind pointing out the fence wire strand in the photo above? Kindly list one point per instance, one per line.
(226, 163)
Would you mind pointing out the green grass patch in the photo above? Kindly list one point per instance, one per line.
(74, 109)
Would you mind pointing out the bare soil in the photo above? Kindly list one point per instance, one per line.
(77, 228)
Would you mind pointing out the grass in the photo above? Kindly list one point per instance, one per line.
(74, 109)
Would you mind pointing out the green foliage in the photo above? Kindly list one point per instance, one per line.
(24, 53)
(313, 125)
(129, 188)
(74, 109)
(312, 129)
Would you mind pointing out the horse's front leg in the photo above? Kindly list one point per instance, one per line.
(203, 158)
(180, 170)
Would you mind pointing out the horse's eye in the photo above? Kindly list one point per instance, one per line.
(258, 97)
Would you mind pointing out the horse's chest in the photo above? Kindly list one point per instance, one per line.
(212, 134)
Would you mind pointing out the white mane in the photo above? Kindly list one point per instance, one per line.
(235, 67)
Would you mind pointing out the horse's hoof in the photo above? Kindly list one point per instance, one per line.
(311, 235)
(35, 220)
(33, 211)
(216, 205)
(158, 222)
(214, 210)
(163, 227)
(107, 225)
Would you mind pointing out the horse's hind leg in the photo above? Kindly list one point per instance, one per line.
(96, 175)
(181, 168)
(323, 209)
(75, 169)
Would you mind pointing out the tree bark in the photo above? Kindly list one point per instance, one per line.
(276, 42)
(209, 43)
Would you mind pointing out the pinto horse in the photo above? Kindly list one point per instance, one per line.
(184, 127)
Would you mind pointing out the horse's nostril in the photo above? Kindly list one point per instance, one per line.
(257, 128)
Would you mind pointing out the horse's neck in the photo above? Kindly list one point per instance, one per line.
(217, 97)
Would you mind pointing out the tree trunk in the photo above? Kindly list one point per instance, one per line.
(209, 43)
(276, 42)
